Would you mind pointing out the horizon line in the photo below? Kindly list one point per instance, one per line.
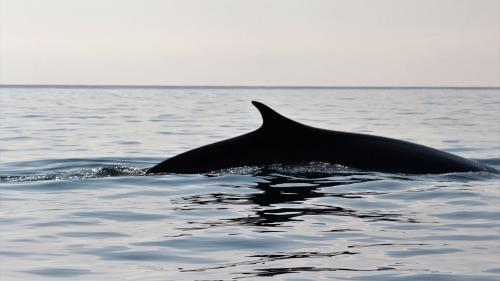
(235, 86)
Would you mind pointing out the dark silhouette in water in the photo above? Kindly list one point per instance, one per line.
(284, 141)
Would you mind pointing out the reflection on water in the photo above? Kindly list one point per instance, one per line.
(67, 215)
(251, 222)
(278, 189)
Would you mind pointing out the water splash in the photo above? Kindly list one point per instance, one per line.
(102, 172)
(79, 169)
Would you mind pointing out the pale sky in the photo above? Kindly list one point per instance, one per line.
(256, 42)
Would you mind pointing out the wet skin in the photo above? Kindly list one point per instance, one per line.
(284, 141)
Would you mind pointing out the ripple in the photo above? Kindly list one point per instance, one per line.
(148, 256)
(63, 223)
(100, 235)
(26, 254)
(120, 253)
(58, 272)
(470, 215)
(269, 272)
(464, 237)
(422, 277)
(121, 216)
(215, 244)
(412, 252)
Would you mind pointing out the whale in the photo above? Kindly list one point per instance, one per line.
(280, 140)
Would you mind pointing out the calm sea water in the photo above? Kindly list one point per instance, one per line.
(76, 205)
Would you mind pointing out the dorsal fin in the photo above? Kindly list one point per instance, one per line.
(272, 119)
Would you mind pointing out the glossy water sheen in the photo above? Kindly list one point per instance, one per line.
(75, 204)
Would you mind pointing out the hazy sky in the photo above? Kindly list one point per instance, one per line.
(256, 42)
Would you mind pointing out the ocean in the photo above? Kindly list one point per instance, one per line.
(76, 204)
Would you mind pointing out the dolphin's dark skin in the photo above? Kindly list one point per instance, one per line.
(284, 141)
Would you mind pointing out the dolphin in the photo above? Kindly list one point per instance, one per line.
(284, 141)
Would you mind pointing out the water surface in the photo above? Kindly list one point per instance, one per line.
(76, 205)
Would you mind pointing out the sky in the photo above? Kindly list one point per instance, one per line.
(448, 43)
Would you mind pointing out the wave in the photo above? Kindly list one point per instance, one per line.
(102, 172)
(490, 161)
(80, 168)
